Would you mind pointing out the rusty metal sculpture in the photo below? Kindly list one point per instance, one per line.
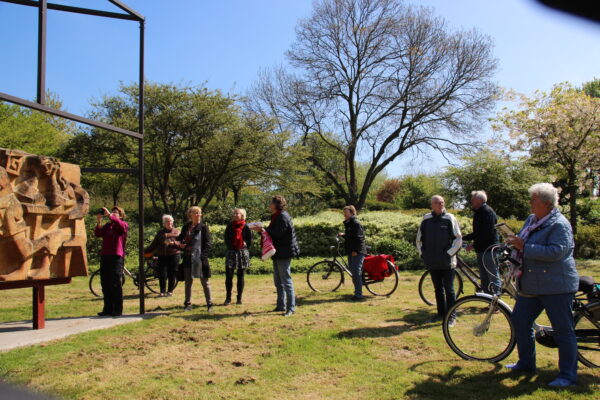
(42, 205)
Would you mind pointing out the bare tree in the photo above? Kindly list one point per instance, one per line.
(372, 79)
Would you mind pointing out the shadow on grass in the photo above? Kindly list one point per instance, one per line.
(494, 384)
(382, 331)
(314, 299)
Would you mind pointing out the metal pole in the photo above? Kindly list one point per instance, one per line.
(41, 65)
(141, 169)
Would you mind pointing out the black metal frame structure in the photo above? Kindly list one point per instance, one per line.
(40, 105)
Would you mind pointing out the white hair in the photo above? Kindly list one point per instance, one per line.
(242, 211)
(480, 194)
(167, 217)
(545, 192)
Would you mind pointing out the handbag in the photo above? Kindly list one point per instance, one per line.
(268, 250)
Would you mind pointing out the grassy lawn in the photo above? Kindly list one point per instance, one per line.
(382, 348)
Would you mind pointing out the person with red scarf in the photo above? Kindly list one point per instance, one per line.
(238, 239)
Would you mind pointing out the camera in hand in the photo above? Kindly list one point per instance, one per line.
(100, 211)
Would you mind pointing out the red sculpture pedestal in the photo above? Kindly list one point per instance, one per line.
(39, 295)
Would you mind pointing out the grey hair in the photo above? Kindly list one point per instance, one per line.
(480, 194)
(545, 192)
(242, 210)
(167, 217)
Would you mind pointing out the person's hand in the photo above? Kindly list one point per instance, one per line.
(516, 242)
(341, 234)
(99, 218)
(354, 254)
(469, 247)
(106, 212)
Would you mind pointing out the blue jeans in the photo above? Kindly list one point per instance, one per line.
(559, 310)
(488, 271)
(355, 263)
(282, 277)
(443, 283)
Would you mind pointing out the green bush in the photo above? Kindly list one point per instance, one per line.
(589, 211)
(588, 241)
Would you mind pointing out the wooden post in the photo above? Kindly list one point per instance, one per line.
(39, 303)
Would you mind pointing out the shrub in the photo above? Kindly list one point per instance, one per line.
(588, 241)
(388, 191)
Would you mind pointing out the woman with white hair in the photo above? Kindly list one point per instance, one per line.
(547, 281)
(238, 238)
(168, 256)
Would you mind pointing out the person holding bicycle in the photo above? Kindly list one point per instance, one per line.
(438, 241)
(547, 280)
(355, 247)
(168, 256)
(112, 255)
(483, 236)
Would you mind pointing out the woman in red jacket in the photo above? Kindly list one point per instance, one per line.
(112, 255)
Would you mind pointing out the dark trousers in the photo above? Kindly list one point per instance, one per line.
(443, 282)
(167, 269)
(229, 272)
(559, 310)
(111, 273)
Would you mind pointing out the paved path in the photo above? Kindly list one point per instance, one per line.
(19, 334)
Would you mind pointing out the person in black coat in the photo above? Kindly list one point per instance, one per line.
(355, 247)
(282, 232)
(238, 238)
(195, 241)
(483, 236)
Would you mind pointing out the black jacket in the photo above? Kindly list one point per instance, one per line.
(355, 236)
(438, 240)
(246, 234)
(484, 228)
(201, 245)
(283, 234)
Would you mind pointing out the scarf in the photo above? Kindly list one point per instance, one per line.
(534, 223)
(274, 217)
(238, 239)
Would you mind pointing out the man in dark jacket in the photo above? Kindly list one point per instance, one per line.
(438, 241)
(483, 236)
(355, 247)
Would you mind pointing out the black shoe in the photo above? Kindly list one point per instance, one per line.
(104, 314)
(357, 298)
(227, 301)
(239, 301)
(277, 309)
(210, 308)
(116, 314)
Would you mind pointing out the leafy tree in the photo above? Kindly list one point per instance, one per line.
(416, 191)
(389, 190)
(561, 131)
(32, 131)
(374, 79)
(504, 180)
(198, 143)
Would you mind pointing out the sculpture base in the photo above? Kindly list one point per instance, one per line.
(39, 296)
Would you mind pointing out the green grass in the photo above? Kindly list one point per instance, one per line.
(382, 348)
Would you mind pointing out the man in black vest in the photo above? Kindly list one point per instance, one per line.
(438, 241)
(483, 236)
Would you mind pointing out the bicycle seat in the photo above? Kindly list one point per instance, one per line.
(586, 284)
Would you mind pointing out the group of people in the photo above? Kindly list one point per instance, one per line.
(547, 276)
(544, 247)
(188, 250)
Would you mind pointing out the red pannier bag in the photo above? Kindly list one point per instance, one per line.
(377, 267)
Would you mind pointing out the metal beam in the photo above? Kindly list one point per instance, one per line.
(41, 60)
(141, 169)
(78, 10)
(128, 9)
(64, 114)
(100, 170)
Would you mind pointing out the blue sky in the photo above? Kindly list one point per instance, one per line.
(224, 43)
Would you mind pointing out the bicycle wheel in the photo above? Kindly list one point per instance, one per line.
(479, 333)
(588, 335)
(385, 286)
(325, 276)
(151, 282)
(427, 291)
(96, 286)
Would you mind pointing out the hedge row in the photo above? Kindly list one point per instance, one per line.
(387, 232)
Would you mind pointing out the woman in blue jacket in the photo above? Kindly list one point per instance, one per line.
(548, 282)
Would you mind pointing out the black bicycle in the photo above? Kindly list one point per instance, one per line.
(151, 278)
(479, 327)
(328, 275)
